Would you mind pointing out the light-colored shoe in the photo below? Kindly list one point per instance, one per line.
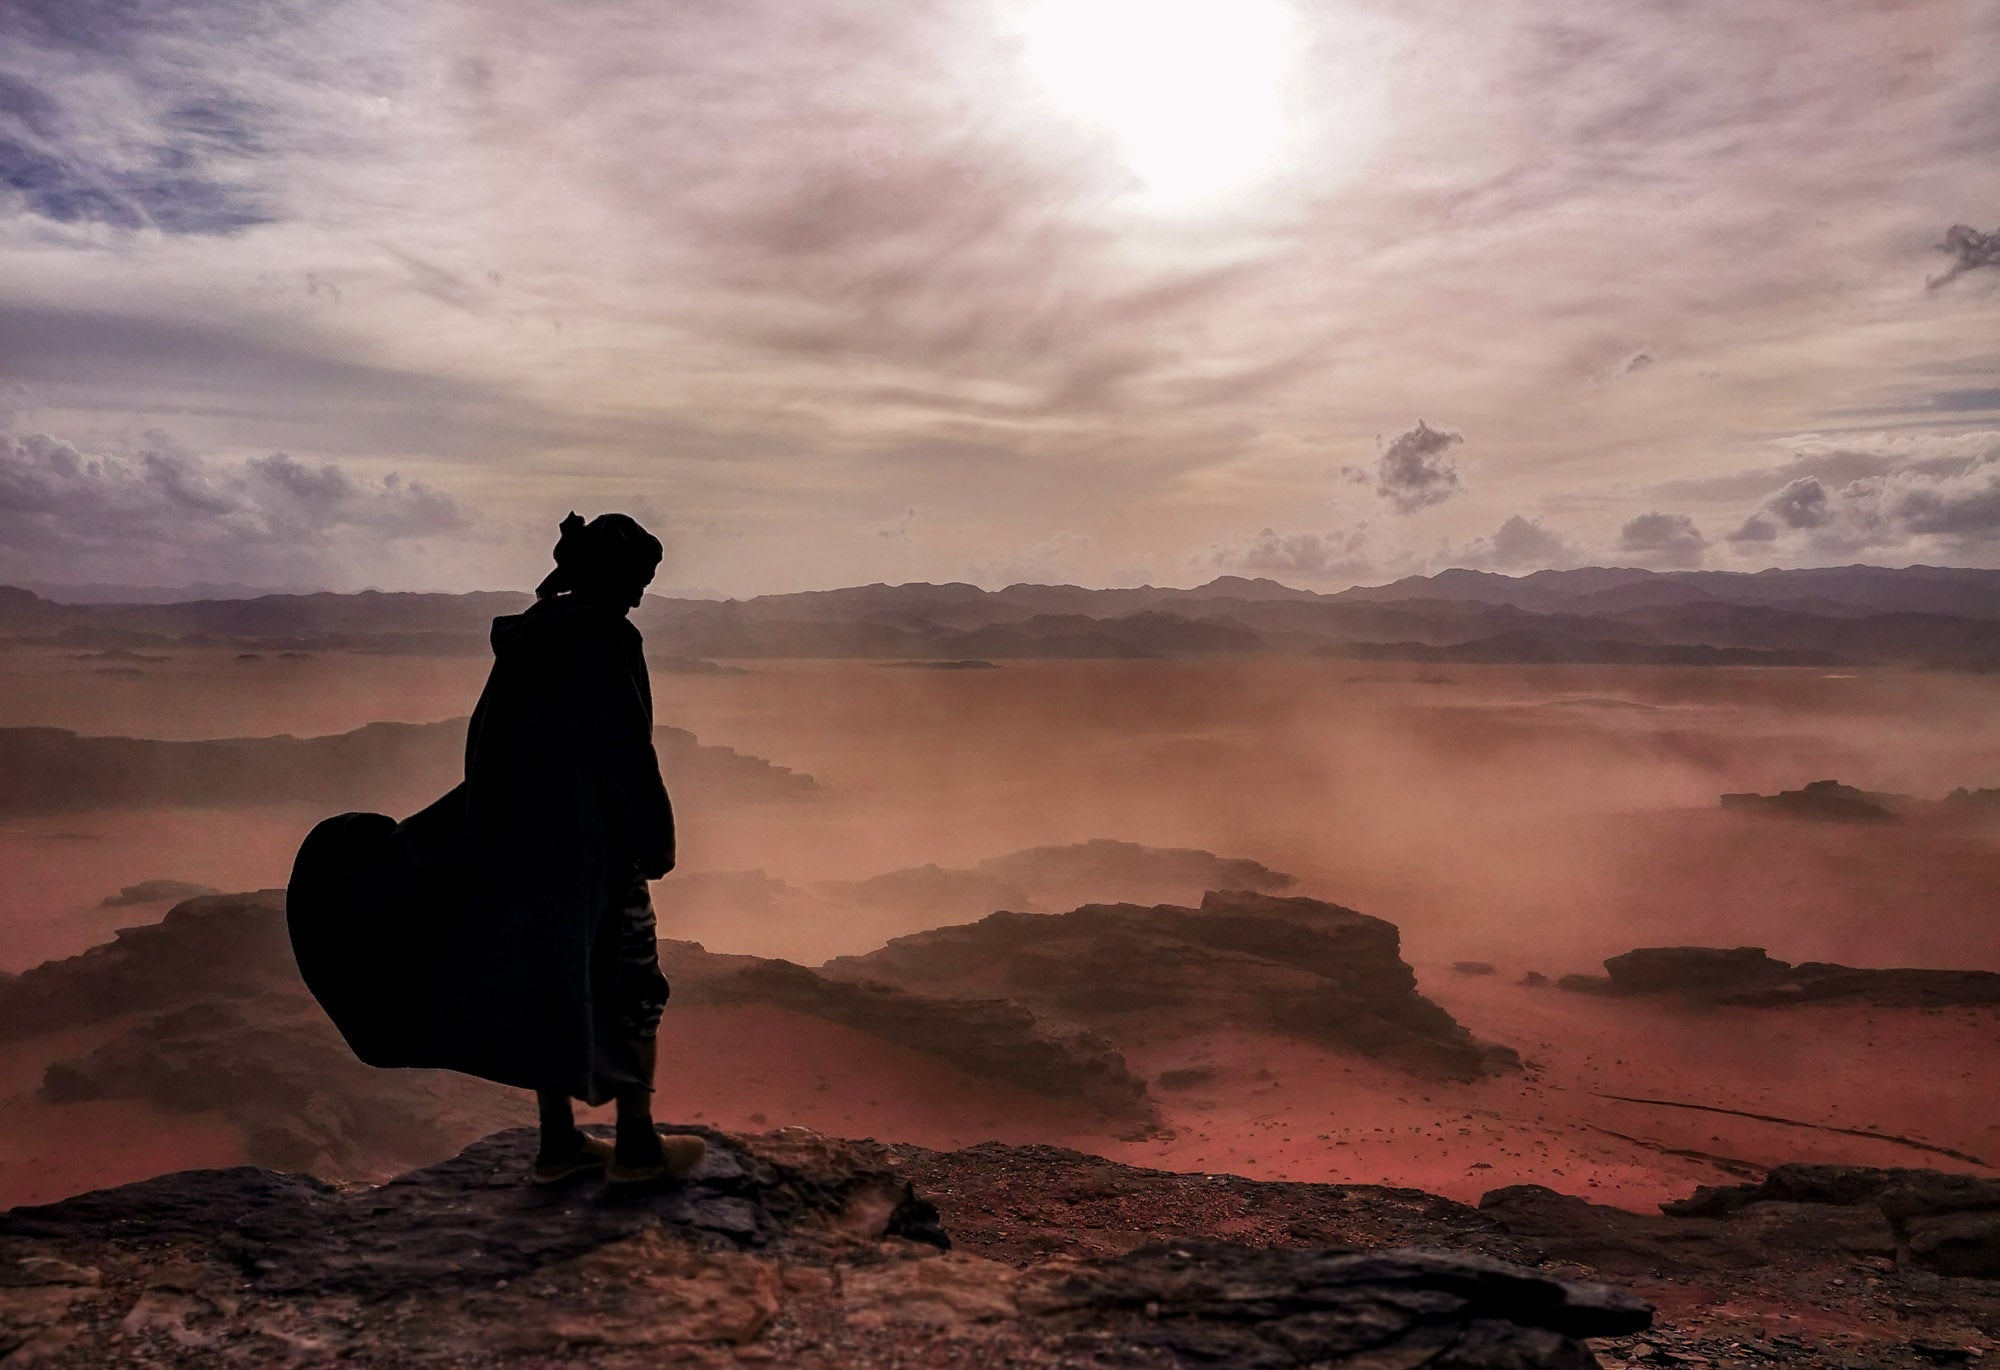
(593, 1154)
(680, 1157)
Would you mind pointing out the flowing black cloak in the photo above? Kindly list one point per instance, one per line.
(472, 936)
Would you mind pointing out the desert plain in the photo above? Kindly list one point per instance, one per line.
(1507, 819)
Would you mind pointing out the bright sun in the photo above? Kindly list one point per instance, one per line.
(1192, 90)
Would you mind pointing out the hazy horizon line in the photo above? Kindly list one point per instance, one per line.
(102, 593)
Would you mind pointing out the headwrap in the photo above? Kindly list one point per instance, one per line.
(609, 553)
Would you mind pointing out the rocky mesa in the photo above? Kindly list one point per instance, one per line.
(1296, 965)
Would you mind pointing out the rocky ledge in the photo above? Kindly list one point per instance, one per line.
(1829, 801)
(786, 1248)
(1804, 1270)
(1749, 975)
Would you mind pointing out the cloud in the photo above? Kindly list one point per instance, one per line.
(738, 258)
(900, 530)
(158, 510)
(1519, 544)
(1414, 471)
(1801, 504)
(1052, 561)
(1960, 508)
(1969, 250)
(1947, 507)
(1835, 460)
(150, 141)
(268, 382)
(1668, 539)
(1313, 556)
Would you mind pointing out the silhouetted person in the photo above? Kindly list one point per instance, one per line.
(505, 930)
(567, 819)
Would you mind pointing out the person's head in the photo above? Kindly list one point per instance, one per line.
(611, 558)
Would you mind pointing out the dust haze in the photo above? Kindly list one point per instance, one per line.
(1508, 819)
(1541, 816)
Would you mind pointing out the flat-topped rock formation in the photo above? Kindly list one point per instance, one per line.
(1051, 878)
(394, 767)
(207, 950)
(1300, 966)
(1826, 800)
(786, 1248)
(1829, 801)
(212, 1017)
(753, 911)
(1749, 975)
(994, 1038)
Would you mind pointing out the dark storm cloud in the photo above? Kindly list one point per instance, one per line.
(70, 513)
(1670, 539)
(1969, 250)
(1414, 470)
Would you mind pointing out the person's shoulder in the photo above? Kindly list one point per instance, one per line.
(593, 625)
(574, 626)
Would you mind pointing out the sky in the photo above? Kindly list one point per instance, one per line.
(346, 293)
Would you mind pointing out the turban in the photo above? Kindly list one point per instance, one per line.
(611, 552)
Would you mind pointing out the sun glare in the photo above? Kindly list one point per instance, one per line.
(1193, 91)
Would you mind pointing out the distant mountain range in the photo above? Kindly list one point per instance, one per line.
(1941, 617)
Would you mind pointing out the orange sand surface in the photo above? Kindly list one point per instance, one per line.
(1280, 1109)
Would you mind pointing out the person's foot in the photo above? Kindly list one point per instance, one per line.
(672, 1157)
(556, 1163)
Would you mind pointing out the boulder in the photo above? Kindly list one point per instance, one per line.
(1703, 971)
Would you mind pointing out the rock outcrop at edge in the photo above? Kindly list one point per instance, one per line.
(803, 1247)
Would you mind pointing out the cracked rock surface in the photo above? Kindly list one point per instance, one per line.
(787, 1248)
